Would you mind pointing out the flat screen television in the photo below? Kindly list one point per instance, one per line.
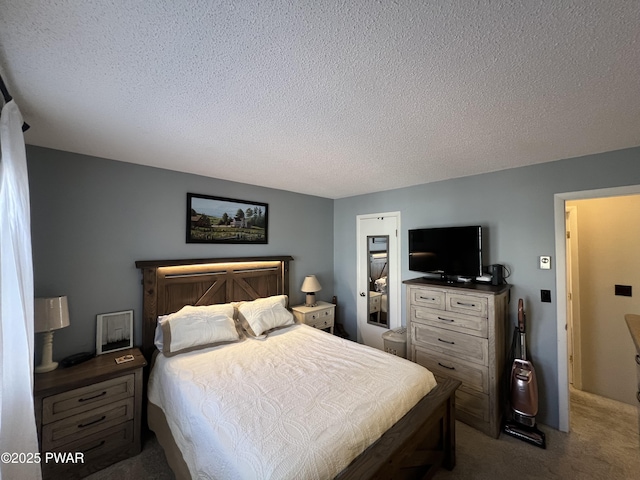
(448, 251)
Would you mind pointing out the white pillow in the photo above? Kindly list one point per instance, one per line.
(192, 328)
(264, 314)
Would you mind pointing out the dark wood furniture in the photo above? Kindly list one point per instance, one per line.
(418, 444)
(93, 408)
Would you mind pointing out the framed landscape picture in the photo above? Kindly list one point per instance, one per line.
(225, 220)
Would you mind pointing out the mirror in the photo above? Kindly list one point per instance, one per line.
(378, 268)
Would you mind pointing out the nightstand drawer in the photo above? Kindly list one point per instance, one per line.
(97, 447)
(449, 343)
(374, 302)
(66, 404)
(322, 315)
(321, 319)
(87, 423)
(321, 323)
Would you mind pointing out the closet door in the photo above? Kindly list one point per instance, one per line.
(378, 276)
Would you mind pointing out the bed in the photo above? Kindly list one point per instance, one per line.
(413, 445)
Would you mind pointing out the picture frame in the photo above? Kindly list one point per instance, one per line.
(114, 331)
(226, 220)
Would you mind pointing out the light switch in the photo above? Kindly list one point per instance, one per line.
(545, 262)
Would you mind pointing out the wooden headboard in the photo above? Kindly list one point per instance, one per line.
(169, 285)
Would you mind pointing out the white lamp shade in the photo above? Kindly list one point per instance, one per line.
(310, 284)
(51, 313)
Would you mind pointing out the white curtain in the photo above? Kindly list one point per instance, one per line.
(17, 420)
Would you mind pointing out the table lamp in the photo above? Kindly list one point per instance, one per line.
(310, 286)
(49, 314)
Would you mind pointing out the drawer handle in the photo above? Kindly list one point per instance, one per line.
(447, 367)
(91, 398)
(428, 298)
(445, 319)
(446, 341)
(466, 304)
(82, 425)
(638, 359)
(94, 447)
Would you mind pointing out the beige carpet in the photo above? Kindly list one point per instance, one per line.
(603, 444)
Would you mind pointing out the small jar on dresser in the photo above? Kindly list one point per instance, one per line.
(459, 331)
(322, 315)
(91, 410)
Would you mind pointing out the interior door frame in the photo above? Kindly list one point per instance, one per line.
(559, 207)
(395, 307)
(573, 302)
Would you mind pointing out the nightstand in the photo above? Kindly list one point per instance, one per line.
(93, 408)
(321, 316)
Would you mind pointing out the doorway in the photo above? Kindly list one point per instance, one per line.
(562, 327)
(378, 276)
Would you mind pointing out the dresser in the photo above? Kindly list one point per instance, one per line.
(458, 331)
(92, 409)
(322, 315)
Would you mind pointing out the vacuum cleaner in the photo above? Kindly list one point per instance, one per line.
(523, 388)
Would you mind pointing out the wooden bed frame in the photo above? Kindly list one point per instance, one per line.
(415, 447)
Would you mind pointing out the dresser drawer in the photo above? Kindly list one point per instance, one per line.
(458, 322)
(469, 304)
(450, 343)
(428, 298)
(473, 404)
(72, 402)
(87, 423)
(472, 376)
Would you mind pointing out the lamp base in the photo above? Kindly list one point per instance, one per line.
(46, 364)
(44, 368)
(310, 300)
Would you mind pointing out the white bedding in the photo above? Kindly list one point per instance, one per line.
(300, 404)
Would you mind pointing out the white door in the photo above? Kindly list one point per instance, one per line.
(379, 285)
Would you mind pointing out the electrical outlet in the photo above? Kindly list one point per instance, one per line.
(545, 262)
(545, 296)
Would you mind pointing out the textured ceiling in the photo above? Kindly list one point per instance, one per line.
(331, 98)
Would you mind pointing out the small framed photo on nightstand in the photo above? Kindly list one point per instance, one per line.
(114, 331)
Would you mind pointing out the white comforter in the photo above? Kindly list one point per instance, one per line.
(299, 405)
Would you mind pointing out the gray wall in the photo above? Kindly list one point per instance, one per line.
(516, 209)
(93, 218)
